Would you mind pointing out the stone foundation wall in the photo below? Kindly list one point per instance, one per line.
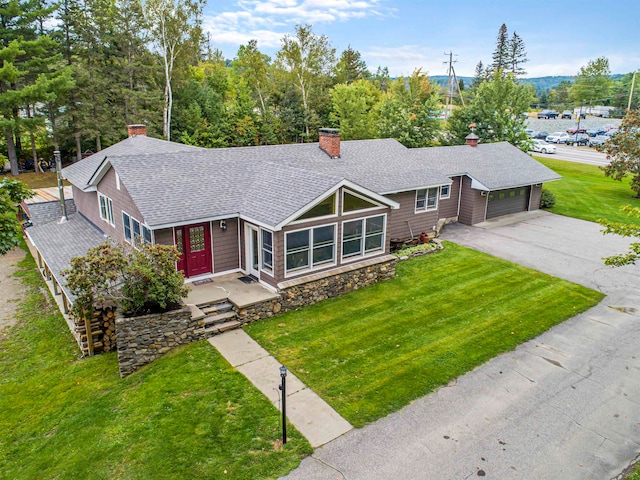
(143, 339)
(314, 291)
(103, 330)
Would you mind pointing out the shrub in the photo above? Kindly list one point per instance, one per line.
(138, 281)
(547, 199)
(12, 192)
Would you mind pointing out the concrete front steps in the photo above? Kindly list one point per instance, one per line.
(218, 317)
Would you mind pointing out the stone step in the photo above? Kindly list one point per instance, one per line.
(217, 307)
(219, 318)
(222, 327)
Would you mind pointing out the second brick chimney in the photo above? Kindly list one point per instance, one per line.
(330, 141)
(135, 130)
(472, 140)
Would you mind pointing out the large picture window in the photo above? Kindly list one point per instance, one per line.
(363, 236)
(106, 209)
(310, 248)
(426, 199)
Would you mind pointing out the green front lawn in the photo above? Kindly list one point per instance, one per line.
(584, 192)
(372, 351)
(187, 415)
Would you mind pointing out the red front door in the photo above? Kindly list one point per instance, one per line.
(194, 243)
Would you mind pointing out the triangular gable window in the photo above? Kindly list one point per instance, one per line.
(355, 202)
(323, 209)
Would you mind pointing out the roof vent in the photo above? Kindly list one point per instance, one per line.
(330, 141)
(472, 140)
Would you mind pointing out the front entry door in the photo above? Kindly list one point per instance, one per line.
(194, 244)
(253, 251)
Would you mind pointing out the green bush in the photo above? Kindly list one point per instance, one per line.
(138, 281)
(547, 199)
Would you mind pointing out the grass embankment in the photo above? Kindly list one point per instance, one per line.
(187, 415)
(584, 192)
(372, 351)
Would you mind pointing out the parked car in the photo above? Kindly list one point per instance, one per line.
(530, 132)
(543, 147)
(557, 137)
(598, 140)
(567, 114)
(541, 135)
(548, 114)
(572, 131)
(578, 139)
(592, 132)
(612, 132)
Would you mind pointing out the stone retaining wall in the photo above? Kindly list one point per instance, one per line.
(316, 290)
(143, 339)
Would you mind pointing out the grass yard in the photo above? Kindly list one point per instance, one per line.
(371, 352)
(38, 180)
(584, 192)
(187, 415)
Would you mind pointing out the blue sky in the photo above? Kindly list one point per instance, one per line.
(560, 36)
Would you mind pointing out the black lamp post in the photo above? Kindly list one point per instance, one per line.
(283, 389)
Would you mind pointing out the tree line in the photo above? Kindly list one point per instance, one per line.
(74, 74)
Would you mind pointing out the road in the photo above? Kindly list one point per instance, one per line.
(576, 154)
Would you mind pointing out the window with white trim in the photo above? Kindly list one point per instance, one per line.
(267, 251)
(135, 233)
(427, 199)
(445, 191)
(126, 224)
(362, 237)
(106, 209)
(324, 208)
(310, 248)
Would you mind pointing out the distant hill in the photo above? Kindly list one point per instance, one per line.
(541, 84)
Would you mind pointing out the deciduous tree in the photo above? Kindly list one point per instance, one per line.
(629, 230)
(623, 151)
(352, 109)
(308, 60)
(592, 84)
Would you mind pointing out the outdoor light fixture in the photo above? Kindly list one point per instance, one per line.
(283, 389)
(223, 225)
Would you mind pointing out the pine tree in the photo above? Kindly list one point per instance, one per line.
(351, 67)
(25, 56)
(479, 76)
(517, 56)
(500, 57)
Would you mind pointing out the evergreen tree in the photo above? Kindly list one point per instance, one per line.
(25, 53)
(382, 79)
(351, 67)
(500, 57)
(517, 56)
(479, 75)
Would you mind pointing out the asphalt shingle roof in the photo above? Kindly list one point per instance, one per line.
(58, 243)
(173, 183)
(81, 172)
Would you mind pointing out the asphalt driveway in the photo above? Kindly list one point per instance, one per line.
(565, 405)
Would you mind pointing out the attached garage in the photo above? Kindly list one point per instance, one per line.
(512, 200)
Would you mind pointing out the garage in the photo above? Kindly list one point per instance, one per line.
(512, 200)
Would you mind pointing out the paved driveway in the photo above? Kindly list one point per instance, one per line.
(565, 405)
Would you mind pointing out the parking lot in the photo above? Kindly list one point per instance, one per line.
(558, 125)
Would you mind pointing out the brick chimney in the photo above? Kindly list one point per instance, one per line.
(472, 140)
(330, 141)
(135, 130)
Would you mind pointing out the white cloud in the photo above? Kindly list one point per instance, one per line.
(404, 59)
(269, 20)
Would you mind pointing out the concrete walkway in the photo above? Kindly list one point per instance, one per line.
(310, 415)
(561, 406)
